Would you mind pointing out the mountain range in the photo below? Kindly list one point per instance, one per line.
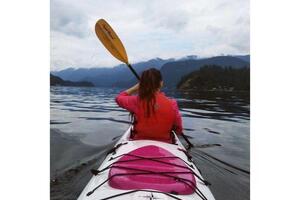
(172, 70)
(57, 81)
(118, 76)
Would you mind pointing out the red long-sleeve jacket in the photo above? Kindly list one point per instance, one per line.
(168, 115)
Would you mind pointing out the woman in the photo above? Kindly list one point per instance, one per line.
(155, 115)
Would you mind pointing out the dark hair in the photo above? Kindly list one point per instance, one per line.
(149, 85)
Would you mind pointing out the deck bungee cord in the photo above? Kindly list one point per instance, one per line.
(198, 192)
(156, 159)
(131, 149)
(150, 197)
(188, 167)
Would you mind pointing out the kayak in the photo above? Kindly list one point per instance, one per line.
(147, 169)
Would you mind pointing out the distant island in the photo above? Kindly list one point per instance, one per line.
(57, 81)
(217, 78)
(173, 72)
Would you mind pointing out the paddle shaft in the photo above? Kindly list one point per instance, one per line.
(133, 71)
(187, 140)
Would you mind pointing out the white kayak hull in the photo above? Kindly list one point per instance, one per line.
(105, 191)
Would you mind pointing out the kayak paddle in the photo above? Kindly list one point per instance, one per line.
(113, 44)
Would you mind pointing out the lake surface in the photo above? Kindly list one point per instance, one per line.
(86, 122)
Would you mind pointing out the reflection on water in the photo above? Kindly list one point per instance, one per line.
(216, 123)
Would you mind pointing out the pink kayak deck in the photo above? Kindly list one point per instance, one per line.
(126, 165)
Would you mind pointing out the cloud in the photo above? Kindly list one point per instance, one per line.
(68, 19)
(148, 29)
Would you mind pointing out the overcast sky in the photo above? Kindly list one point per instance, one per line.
(148, 29)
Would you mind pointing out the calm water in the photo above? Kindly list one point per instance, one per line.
(86, 122)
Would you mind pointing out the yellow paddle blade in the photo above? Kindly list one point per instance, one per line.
(110, 40)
